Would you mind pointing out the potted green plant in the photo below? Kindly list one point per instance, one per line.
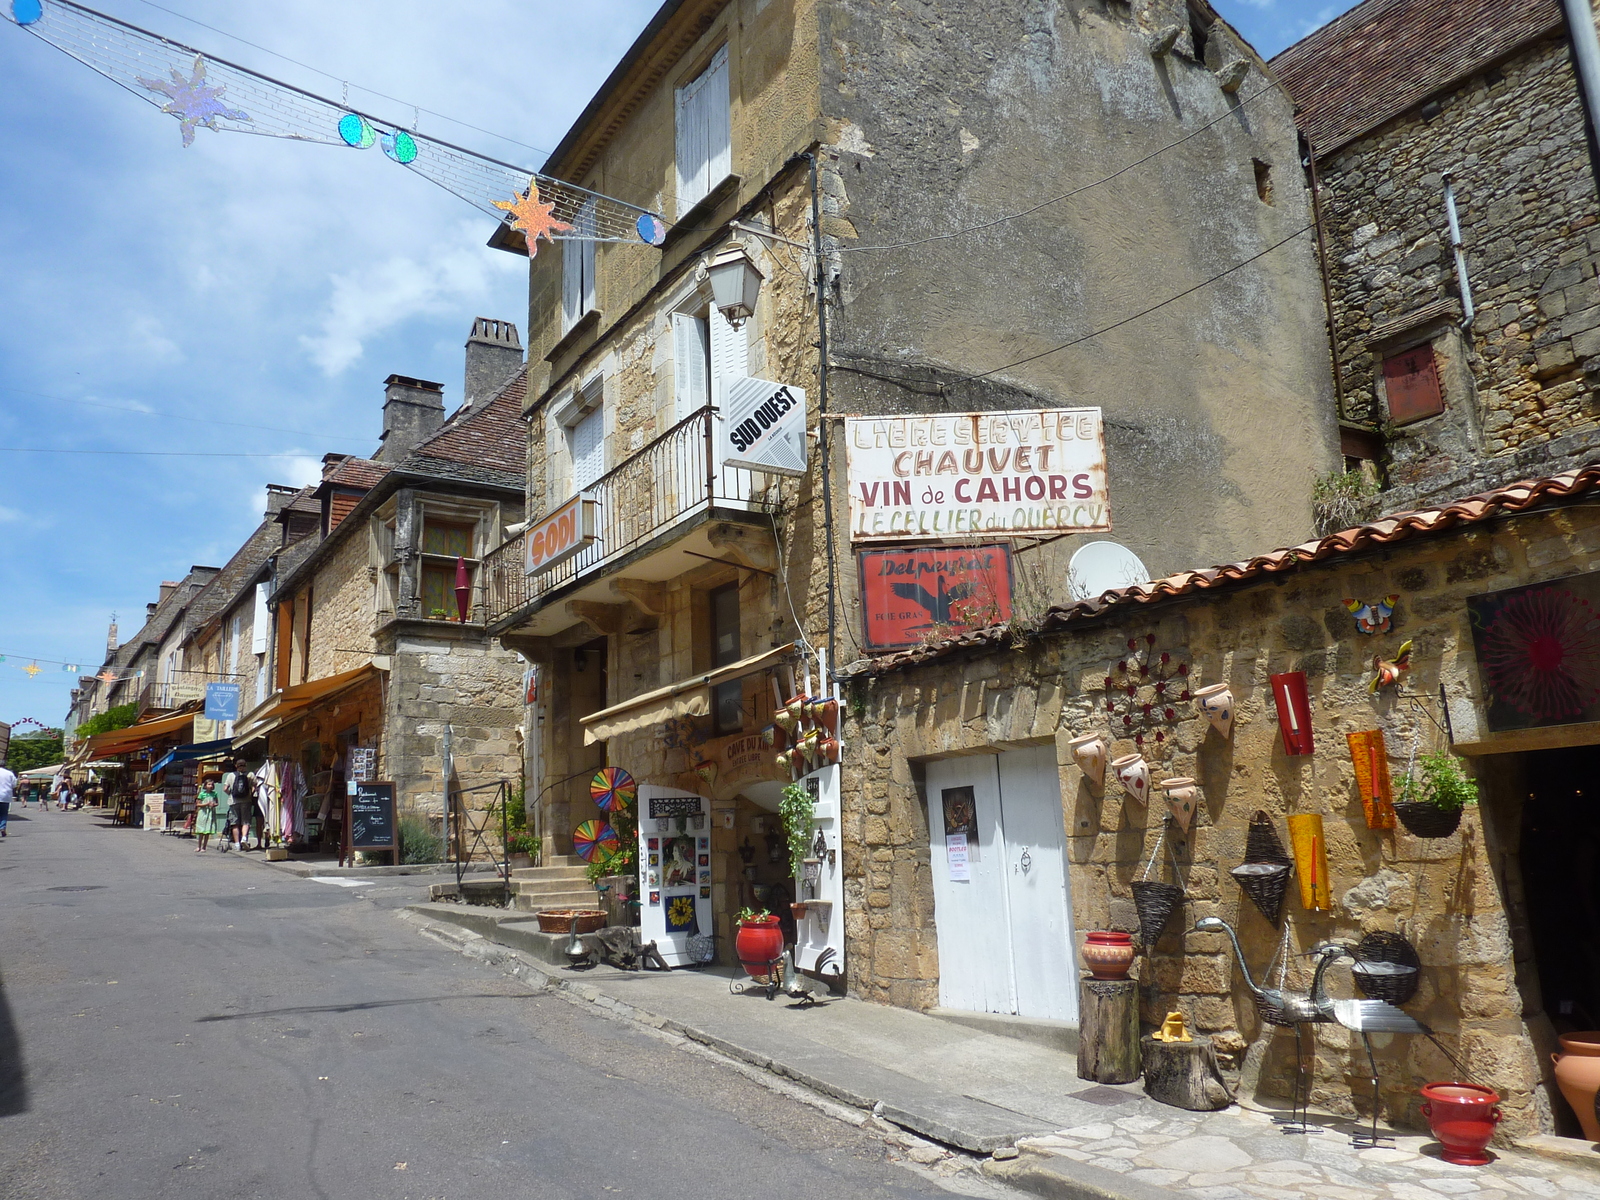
(759, 943)
(795, 810)
(1431, 800)
(524, 848)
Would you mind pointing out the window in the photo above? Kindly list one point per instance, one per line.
(704, 136)
(236, 629)
(706, 351)
(443, 541)
(584, 417)
(1263, 180)
(727, 698)
(577, 269)
(1411, 381)
(260, 620)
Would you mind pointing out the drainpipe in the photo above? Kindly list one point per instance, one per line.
(1455, 246)
(1584, 46)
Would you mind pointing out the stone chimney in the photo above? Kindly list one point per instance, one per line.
(278, 495)
(413, 410)
(111, 638)
(494, 354)
(168, 586)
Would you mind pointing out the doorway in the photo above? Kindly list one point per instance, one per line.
(1000, 892)
(1560, 861)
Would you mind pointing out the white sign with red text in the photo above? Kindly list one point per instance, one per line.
(570, 530)
(994, 474)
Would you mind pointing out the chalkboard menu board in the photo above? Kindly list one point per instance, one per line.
(371, 823)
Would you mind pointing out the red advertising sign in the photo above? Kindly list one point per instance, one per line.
(909, 596)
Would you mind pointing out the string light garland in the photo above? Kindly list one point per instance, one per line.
(203, 91)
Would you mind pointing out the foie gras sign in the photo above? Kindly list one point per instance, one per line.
(568, 531)
(952, 475)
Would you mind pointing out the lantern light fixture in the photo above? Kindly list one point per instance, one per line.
(735, 283)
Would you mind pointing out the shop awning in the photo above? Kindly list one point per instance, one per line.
(292, 699)
(41, 772)
(686, 698)
(121, 741)
(182, 754)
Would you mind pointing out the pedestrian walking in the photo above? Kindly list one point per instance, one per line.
(206, 816)
(8, 789)
(237, 793)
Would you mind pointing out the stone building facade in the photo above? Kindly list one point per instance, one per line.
(1396, 99)
(1476, 905)
(914, 130)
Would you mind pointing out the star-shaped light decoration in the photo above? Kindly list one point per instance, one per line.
(533, 219)
(194, 101)
(32, 669)
(107, 676)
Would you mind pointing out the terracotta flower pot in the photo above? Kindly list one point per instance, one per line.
(1578, 1076)
(759, 944)
(1089, 752)
(1216, 705)
(1462, 1117)
(1108, 954)
(1181, 794)
(1134, 774)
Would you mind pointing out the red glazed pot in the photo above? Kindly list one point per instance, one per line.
(1462, 1117)
(758, 944)
(1108, 954)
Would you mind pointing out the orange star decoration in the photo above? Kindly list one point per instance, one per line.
(533, 219)
(32, 669)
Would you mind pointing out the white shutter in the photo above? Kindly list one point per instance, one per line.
(691, 392)
(688, 152)
(571, 284)
(260, 621)
(718, 121)
(588, 449)
(587, 227)
(730, 353)
(233, 651)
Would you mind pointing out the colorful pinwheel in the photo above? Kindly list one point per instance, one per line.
(613, 788)
(594, 838)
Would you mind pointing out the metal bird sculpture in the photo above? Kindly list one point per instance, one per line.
(1388, 672)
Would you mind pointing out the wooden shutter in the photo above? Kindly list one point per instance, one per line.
(703, 133)
(1411, 381)
(260, 621)
(571, 284)
(730, 353)
(689, 351)
(588, 449)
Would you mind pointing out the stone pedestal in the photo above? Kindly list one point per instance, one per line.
(1108, 1030)
(1184, 1074)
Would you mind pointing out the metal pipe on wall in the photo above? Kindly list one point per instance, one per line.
(1585, 47)
(1465, 287)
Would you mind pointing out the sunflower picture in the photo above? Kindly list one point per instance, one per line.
(680, 915)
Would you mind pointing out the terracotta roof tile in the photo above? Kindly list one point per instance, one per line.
(1385, 56)
(361, 473)
(305, 501)
(1470, 510)
(489, 435)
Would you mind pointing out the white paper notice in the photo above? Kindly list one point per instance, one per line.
(955, 849)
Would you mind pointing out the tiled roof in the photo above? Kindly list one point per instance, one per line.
(489, 437)
(1384, 56)
(305, 501)
(238, 574)
(1396, 527)
(361, 473)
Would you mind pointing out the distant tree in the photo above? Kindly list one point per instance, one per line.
(35, 750)
(119, 717)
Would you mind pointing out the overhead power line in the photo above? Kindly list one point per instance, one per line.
(155, 453)
(148, 412)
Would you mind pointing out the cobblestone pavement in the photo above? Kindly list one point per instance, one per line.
(1240, 1154)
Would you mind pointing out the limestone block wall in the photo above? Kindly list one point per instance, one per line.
(1517, 384)
(1450, 897)
(342, 616)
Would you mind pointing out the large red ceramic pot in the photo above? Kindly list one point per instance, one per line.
(759, 944)
(1462, 1117)
(1108, 954)
(1578, 1076)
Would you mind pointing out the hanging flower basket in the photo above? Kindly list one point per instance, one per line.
(1155, 903)
(1266, 883)
(1387, 967)
(1427, 820)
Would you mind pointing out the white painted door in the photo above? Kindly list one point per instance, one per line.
(1005, 933)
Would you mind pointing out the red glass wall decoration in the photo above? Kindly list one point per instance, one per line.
(1294, 712)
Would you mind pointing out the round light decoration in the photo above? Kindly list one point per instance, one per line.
(26, 12)
(652, 232)
(357, 131)
(400, 146)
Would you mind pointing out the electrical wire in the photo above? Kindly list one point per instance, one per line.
(154, 453)
(149, 412)
(1078, 191)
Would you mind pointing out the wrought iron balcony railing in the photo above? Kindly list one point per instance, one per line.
(670, 482)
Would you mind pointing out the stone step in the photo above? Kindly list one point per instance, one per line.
(527, 903)
(577, 872)
(556, 883)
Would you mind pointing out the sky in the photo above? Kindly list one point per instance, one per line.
(248, 294)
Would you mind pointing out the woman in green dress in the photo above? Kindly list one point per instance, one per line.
(207, 820)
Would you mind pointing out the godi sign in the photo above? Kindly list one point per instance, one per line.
(568, 531)
(763, 426)
(952, 475)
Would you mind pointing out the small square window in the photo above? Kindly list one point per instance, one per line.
(1411, 381)
(1263, 180)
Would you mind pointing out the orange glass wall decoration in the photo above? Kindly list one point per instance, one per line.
(1371, 761)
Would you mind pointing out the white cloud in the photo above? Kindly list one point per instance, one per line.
(8, 515)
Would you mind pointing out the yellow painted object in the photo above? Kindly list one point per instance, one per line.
(1371, 760)
(1310, 848)
(1173, 1029)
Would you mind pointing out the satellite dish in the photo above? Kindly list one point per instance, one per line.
(1100, 567)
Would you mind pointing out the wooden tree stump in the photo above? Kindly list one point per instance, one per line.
(1184, 1074)
(1108, 1030)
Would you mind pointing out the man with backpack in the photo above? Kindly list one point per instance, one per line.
(237, 790)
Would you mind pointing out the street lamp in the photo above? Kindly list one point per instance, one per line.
(735, 284)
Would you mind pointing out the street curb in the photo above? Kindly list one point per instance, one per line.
(1064, 1179)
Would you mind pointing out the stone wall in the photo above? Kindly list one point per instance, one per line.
(1449, 896)
(342, 616)
(1517, 385)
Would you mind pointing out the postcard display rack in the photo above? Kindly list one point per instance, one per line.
(675, 870)
(819, 935)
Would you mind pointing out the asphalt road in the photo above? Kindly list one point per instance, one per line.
(173, 1025)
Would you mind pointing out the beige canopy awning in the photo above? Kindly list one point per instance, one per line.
(686, 698)
(133, 737)
(292, 699)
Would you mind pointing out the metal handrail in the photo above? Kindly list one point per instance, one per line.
(668, 479)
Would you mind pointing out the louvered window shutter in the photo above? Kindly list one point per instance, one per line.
(691, 392)
(571, 284)
(718, 121)
(260, 621)
(587, 227)
(730, 353)
(703, 133)
(589, 449)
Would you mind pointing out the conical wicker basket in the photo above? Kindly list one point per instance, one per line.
(1155, 903)
(1266, 883)
(1261, 844)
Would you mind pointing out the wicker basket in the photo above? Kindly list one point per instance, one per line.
(1427, 820)
(1387, 967)
(1261, 844)
(1266, 883)
(559, 920)
(1155, 903)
